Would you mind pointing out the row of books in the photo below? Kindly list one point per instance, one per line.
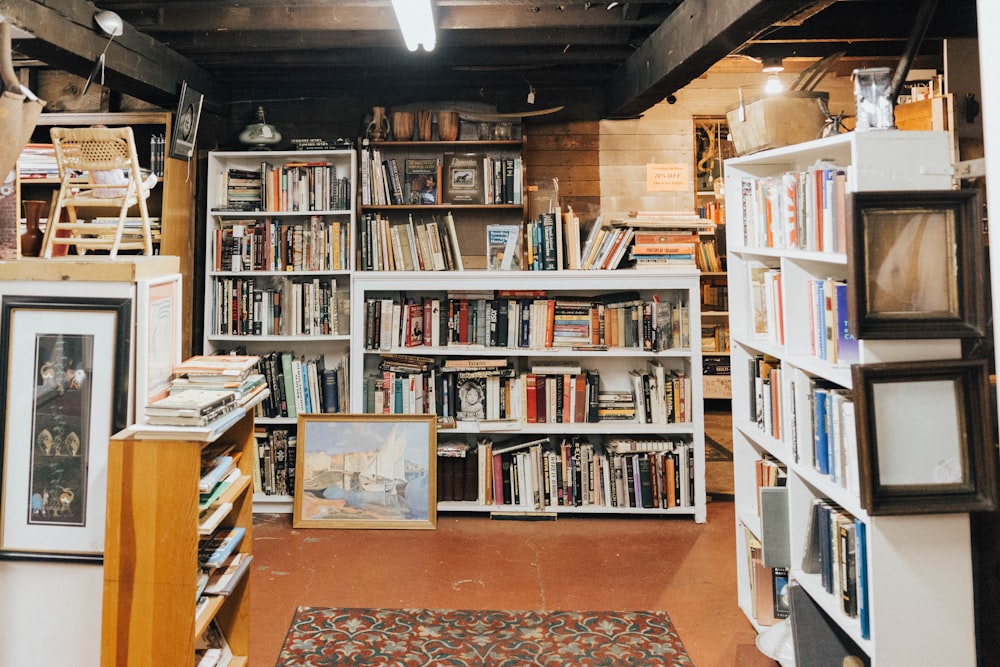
(274, 468)
(829, 324)
(301, 384)
(417, 385)
(290, 187)
(276, 305)
(383, 183)
(766, 302)
(768, 595)
(804, 210)
(836, 548)
(457, 178)
(548, 473)
(615, 320)
(714, 297)
(715, 337)
(820, 412)
(313, 244)
(412, 245)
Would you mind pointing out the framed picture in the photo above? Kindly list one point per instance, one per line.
(65, 393)
(924, 437)
(916, 264)
(158, 338)
(185, 129)
(365, 471)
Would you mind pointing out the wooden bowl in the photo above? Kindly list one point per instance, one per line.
(447, 125)
(402, 125)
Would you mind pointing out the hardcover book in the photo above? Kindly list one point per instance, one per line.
(462, 176)
(423, 185)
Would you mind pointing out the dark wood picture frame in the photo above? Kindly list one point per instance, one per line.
(185, 129)
(65, 380)
(915, 260)
(924, 437)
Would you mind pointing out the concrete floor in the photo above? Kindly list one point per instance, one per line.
(473, 562)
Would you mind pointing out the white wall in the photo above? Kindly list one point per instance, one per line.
(50, 614)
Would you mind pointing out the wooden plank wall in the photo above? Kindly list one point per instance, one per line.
(569, 152)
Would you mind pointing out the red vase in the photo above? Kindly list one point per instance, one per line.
(31, 239)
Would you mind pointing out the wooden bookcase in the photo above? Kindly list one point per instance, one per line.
(918, 567)
(151, 551)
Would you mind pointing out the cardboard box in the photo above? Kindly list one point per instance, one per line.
(777, 120)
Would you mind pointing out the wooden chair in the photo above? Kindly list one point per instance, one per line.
(98, 169)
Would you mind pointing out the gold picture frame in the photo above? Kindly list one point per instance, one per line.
(366, 471)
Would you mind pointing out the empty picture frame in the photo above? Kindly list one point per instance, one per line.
(924, 443)
(365, 471)
(916, 264)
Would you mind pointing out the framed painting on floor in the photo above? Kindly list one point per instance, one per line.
(365, 471)
(65, 393)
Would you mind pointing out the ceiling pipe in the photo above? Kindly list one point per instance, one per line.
(923, 20)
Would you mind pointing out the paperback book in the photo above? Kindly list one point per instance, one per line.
(503, 247)
(422, 181)
(463, 178)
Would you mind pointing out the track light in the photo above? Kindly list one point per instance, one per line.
(416, 22)
(772, 65)
(531, 94)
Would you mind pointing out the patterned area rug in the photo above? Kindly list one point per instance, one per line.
(322, 637)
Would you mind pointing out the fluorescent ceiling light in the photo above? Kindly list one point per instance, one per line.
(416, 22)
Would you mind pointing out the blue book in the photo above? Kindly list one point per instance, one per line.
(820, 430)
(847, 344)
(861, 552)
(213, 471)
(215, 549)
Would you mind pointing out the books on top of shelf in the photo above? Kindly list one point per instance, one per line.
(204, 433)
(210, 519)
(219, 546)
(207, 498)
(193, 403)
(212, 649)
(210, 367)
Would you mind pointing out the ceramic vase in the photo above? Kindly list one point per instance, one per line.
(378, 129)
(31, 239)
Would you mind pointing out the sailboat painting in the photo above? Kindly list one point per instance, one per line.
(365, 471)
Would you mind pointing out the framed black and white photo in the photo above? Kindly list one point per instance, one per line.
(924, 441)
(916, 264)
(65, 393)
(185, 130)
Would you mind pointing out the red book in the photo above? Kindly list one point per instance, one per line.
(463, 321)
(580, 396)
(530, 397)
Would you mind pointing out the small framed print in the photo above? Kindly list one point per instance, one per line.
(185, 130)
(158, 339)
(65, 393)
(365, 471)
(916, 264)
(924, 442)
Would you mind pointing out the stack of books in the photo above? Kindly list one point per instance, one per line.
(220, 373)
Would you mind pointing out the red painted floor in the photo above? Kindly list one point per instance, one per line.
(473, 562)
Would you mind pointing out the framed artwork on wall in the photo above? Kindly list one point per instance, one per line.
(185, 130)
(365, 471)
(158, 338)
(915, 260)
(65, 393)
(924, 441)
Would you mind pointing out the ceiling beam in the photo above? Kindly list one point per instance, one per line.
(66, 37)
(694, 37)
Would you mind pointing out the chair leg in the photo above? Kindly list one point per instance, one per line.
(147, 235)
(55, 210)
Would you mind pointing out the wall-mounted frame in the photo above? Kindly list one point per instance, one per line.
(65, 392)
(916, 264)
(365, 471)
(185, 130)
(924, 438)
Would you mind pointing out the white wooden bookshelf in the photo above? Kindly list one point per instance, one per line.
(919, 566)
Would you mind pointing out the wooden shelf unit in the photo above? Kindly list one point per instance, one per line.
(151, 551)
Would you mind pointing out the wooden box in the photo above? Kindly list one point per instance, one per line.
(779, 120)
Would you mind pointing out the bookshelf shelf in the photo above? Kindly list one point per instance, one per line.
(297, 264)
(151, 549)
(613, 365)
(780, 375)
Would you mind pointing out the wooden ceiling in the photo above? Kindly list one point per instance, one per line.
(604, 59)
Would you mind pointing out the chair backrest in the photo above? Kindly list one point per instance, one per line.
(87, 149)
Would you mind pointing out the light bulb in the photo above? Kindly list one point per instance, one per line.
(773, 85)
